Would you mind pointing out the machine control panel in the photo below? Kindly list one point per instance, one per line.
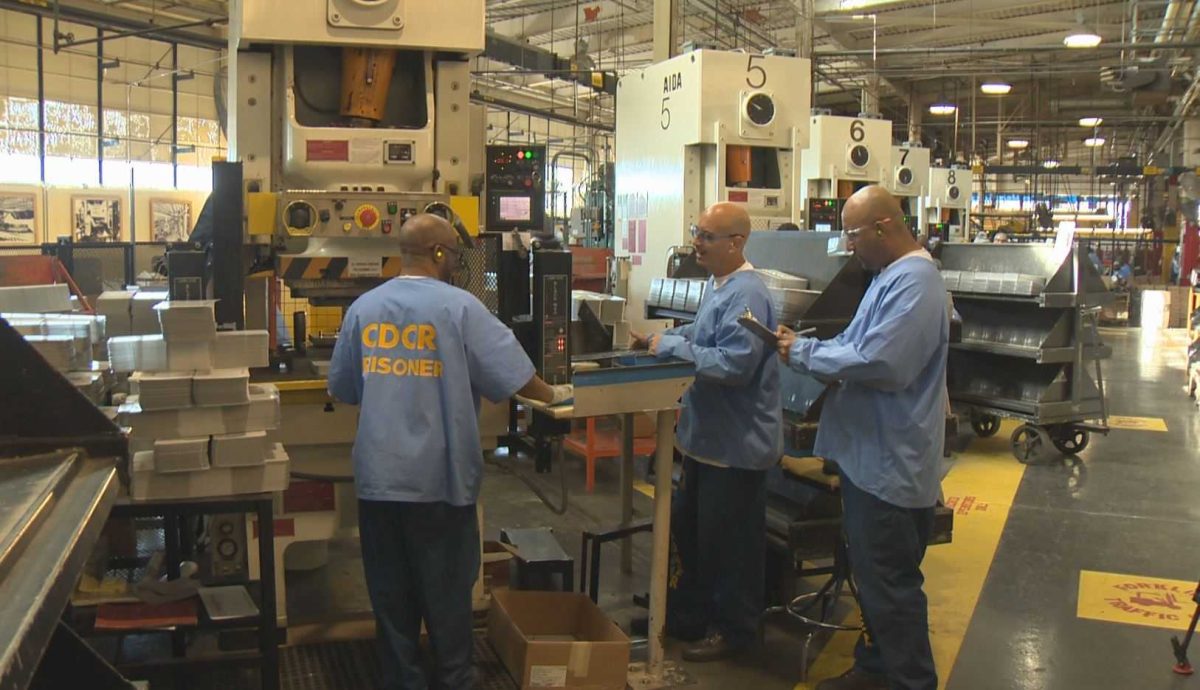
(825, 215)
(552, 315)
(349, 214)
(398, 153)
(516, 187)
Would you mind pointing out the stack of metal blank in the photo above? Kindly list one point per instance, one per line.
(678, 294)
(789, 294)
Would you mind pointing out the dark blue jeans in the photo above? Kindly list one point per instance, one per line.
(718, 535)
(886, 545)
(421, 561)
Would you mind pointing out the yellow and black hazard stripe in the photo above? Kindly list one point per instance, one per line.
(328, 268)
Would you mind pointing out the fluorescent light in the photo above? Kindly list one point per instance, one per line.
(943, 108)
(1082, 39)
(1018, 144)
(1050, 164)
(995, 88)
(1094, 141)
(1090, 121)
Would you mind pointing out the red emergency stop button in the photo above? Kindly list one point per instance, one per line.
(367, 216)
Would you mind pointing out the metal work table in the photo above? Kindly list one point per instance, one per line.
(260, 505)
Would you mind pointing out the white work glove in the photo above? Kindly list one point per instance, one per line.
(561, 393)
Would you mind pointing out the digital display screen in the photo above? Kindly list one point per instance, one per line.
(515, 208)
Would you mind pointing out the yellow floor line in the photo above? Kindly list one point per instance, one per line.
(981, 487)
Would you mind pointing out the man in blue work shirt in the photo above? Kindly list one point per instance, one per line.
(416, 354)
(884, 424)
(730, 432)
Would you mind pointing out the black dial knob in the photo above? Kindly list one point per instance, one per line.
(227, 548)
(859, 155)
(905, 176)
(300, 215)
(760, 109)
(953, 193)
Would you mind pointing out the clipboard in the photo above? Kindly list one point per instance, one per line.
(756, 327)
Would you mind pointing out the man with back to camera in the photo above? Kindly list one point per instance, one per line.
(416, 354)
(883, 423)
(730, 433)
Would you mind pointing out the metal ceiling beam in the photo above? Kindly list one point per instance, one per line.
(984, 50)
(518, 53)
(115, 19)
(505, 103)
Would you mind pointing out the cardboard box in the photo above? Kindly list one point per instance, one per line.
(557, 640)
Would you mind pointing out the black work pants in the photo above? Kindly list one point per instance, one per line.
(421, 561)
(886, 545)
(718, 535)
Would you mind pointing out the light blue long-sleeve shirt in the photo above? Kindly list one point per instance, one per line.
(416, 354)
(884, 419)
(731, 413)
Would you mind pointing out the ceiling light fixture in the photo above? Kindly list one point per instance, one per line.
(1082, 38)
(942, 108)
(1090, 121)
(1018, 144)
(1051, 164)
(1093, 142)
(995, 88)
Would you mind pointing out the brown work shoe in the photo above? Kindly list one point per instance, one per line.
(855, 679)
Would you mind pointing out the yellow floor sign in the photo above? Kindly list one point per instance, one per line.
(1137, 423)
(981, 488)
(1135, 600)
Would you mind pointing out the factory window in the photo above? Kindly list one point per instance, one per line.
(137, 147)
(560, 193)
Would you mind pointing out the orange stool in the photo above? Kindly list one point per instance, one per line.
(604, 443)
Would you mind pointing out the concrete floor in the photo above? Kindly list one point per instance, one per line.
(1004, 596)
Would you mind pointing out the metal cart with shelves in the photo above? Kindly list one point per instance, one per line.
(1031, 348)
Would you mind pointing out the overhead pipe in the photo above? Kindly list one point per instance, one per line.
(1061, 104)
(979, 50)
(1170, 19)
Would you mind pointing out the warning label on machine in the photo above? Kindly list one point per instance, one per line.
(1135, 600)
(327, 150)
(634, 209)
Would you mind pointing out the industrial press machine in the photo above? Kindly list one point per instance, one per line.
(845, 154)
(348, 118)
(703, 127)
(949, 203)
(909, 182)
